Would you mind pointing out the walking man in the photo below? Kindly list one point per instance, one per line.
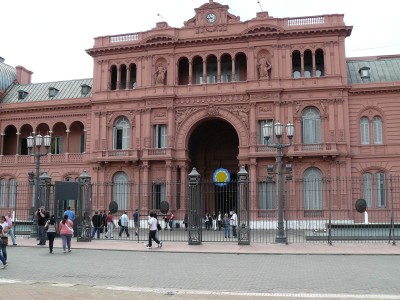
(152, 231)
(124, 224)
(234, 223)
(70, 214)
(96, 220)
(136, 221)
(10, 223)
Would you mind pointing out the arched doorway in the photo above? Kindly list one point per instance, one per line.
(214, 144)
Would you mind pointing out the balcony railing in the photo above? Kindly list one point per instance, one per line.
(50, 158)
(115, 155)
(322, 148)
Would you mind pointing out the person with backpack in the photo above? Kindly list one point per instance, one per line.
(51, 227)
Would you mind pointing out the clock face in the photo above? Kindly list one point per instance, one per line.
(211, 18)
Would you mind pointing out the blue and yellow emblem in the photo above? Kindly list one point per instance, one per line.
(221, 177)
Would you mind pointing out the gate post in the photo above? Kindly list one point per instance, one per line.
(85, 195)
(44, 190)
(243, 209)
(195, 224)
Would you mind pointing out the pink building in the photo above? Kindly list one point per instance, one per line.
(169, 99)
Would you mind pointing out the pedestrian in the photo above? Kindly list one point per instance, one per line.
(214, 220)
(171, 220)
(4, 239)
(206, 220)
(51, 227)
(124, 224)
(42, 217)
(110, 225)
(186, 221)
(219, 220)
(103, 221)
(152, 232)
(66, 233)
(70, 213)
(234, 223)
(165, 222)
(3, 245)
(10, 223)
(136, 221)
(96, 220)
(227, 226)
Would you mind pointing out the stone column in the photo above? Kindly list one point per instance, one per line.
(16, 150)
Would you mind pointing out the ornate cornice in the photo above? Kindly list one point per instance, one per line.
(212, 99)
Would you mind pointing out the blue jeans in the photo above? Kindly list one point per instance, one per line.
(94, 231)
(42, 234)
(234, 231)
(66, 241)
(11, 234)
(3, 251)
(227, 231)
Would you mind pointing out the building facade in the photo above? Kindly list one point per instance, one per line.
(169, 99)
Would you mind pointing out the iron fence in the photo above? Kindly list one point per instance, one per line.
(318, 210)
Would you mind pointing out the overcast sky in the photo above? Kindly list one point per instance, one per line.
(49, 37)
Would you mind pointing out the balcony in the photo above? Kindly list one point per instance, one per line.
(321, 149)
(157, 153)
(50, 158)
(116, 155)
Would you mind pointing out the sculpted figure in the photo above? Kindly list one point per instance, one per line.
(160, 73)
(263, 67)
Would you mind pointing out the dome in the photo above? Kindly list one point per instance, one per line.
(7, 75)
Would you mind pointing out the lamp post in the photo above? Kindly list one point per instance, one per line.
(268, 133)
(32, 141)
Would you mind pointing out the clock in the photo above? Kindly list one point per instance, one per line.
(211, 18)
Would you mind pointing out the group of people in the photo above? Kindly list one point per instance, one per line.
(6, 230)
(48, 228)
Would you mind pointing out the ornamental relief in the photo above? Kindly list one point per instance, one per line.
(241, 111)
(267, 96)
(158, 103)
(262, 109)
(182, 113)
(212, 99)
(160, 115)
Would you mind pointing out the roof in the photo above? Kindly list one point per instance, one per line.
(381, 69)
(8, 75)
(70, 89)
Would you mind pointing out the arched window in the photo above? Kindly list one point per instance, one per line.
(308, 64)
(3, 192)
(296, 64)
(121, 134)
(311, 126)
(12, 192)
(121, 190)
(313, 189)
(377, 127)
(319, 63)
(364, 131)
(113, 78)
(367, 188)
(267, 195)
(380, 190)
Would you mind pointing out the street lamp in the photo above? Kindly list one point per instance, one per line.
(32, 141)
(268, 133)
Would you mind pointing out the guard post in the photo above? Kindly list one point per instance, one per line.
(243, 208)
(195, 225)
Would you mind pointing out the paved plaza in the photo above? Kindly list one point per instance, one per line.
(114, 269)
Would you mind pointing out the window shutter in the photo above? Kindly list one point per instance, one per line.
(126, 138)
(364, 131)
(377, 130)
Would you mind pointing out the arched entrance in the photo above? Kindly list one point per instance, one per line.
(214, 144)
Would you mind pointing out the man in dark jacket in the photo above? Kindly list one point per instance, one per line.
(42, 217)
(97, 221)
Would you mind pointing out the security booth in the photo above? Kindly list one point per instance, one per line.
(66, 193)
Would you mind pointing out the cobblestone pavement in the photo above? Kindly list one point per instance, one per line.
(107, 273)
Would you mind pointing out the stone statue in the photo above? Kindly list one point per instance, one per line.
(159, 75)
(263, 67)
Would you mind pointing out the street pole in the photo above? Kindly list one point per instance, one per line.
(37, 141)
(267, 131)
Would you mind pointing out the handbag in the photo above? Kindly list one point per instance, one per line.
(5, 240)
(158, 226)
(71, 229)
(119, 222)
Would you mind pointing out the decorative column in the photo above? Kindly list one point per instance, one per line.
(204, 71)
(2, 143)
(118, 78)
(18, 137)
(195, 210)
(183, 190)
(168, 187)
(218, 70)
(145, 185)
(171, 127)
(243, 212)
(190, 73)
(233, 70)
(67, 131)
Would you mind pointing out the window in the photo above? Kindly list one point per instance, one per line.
(160, 136)
(12, 192)
(158, 192)
(319, 63)
(267, 196)
(364, 72)
(56, 144)
(52, 92)
(380, 190)
(121, 190)
(22, 94)
(367, 188)
(121, 139)
(364, 131)
(311, 123)
(377, 127)
(3, 192)
(261, 139)
(85, 89)
(312, 189)
(296, 64)
(308, 63)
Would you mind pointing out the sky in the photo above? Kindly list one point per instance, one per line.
(49, 37)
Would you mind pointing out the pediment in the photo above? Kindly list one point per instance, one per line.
(265, 28)
(159, 38)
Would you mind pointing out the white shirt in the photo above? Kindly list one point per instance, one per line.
(234, 219)
(4, 225)
(153, 223)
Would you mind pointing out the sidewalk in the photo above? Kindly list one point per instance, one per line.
(380, 248)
